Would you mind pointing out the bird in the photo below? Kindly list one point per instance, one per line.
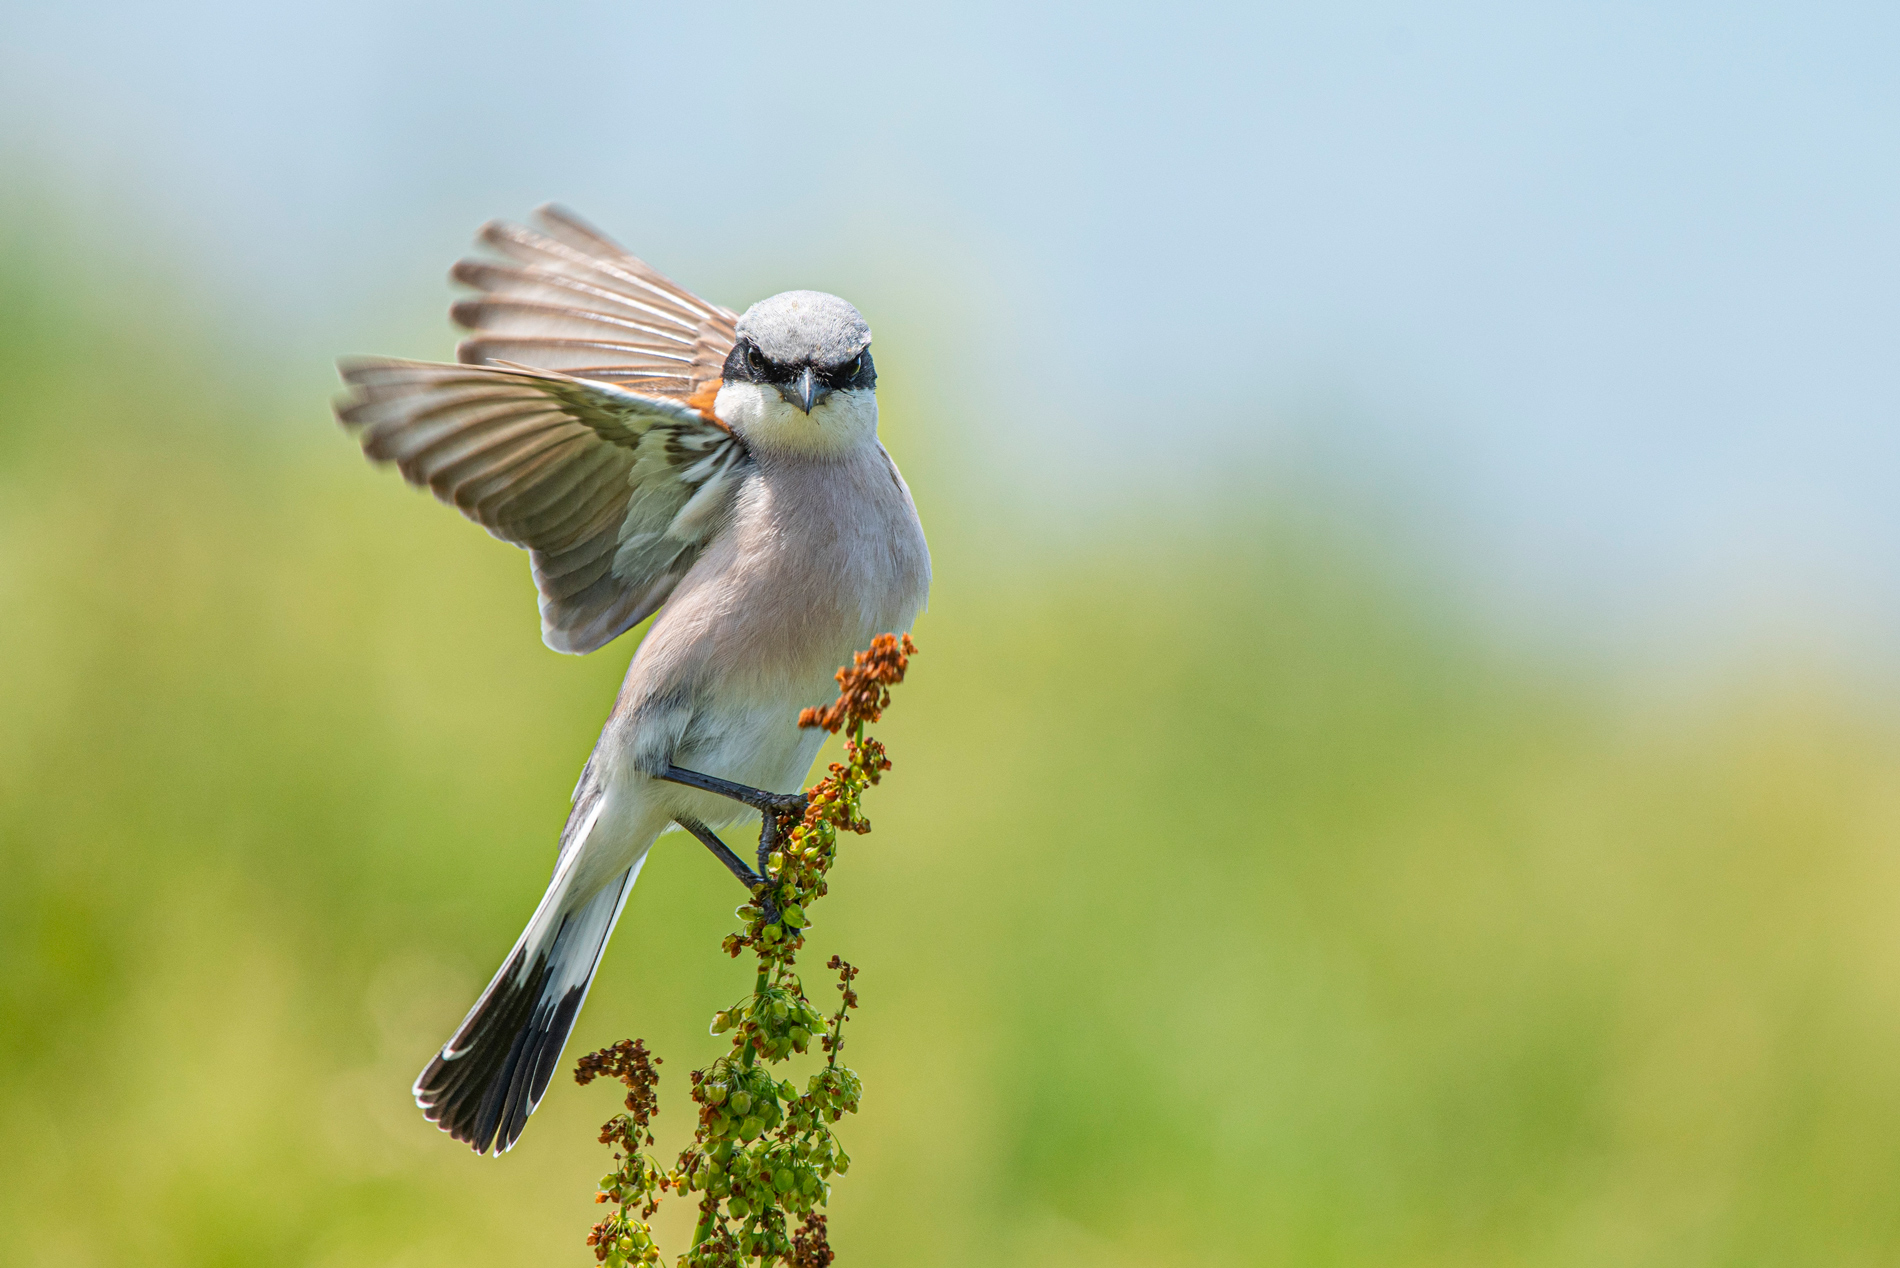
(655, 454)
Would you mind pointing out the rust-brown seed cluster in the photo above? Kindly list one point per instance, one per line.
(809, 1247)
(864, 688)
(629, 1062)
(623, 1237)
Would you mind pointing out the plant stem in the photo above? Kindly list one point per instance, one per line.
(758, 988)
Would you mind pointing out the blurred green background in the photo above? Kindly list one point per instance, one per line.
(1229, 903)
(1404, 766)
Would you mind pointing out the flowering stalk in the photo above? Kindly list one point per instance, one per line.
(763, 1151)
(637, 1182)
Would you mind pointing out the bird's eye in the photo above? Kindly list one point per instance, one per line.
(853, 366)
(756, 359)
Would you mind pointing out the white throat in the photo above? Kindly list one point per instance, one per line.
(841, 423)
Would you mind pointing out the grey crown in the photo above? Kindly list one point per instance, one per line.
(805, 328)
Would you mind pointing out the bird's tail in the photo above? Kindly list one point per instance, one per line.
(486, 1080)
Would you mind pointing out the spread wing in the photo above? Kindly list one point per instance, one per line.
(571, 299)
(582, 428)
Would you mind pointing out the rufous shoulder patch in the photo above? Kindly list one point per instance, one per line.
(703, 397)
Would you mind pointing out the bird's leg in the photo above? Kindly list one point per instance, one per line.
(750, 879)
(734, 864)
(744, 794)
(770, 805)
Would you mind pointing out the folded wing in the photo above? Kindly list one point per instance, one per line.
(580, 427)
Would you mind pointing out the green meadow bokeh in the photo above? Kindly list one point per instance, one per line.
(1228, 904)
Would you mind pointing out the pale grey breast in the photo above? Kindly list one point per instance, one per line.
(816, 559)
(824, 557)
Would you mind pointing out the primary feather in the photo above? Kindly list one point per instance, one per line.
(572, 299)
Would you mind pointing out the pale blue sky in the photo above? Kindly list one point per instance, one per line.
(1603, 299)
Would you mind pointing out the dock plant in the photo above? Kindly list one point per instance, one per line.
(763, 1156)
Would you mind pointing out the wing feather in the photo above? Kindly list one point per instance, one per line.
(520, 318)
(578, 425)
(543, 285)
(594, 480)
(566, 297)
(588, 240)
(601, 359)
(590, 259)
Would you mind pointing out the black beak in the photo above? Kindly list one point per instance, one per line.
(806, 391)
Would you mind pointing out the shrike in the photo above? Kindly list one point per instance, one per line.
(652, 453)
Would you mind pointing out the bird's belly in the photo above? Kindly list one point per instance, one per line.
(752, 742)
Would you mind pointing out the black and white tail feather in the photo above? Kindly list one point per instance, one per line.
(487, 1079)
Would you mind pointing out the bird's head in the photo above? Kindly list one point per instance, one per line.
(800, 379)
